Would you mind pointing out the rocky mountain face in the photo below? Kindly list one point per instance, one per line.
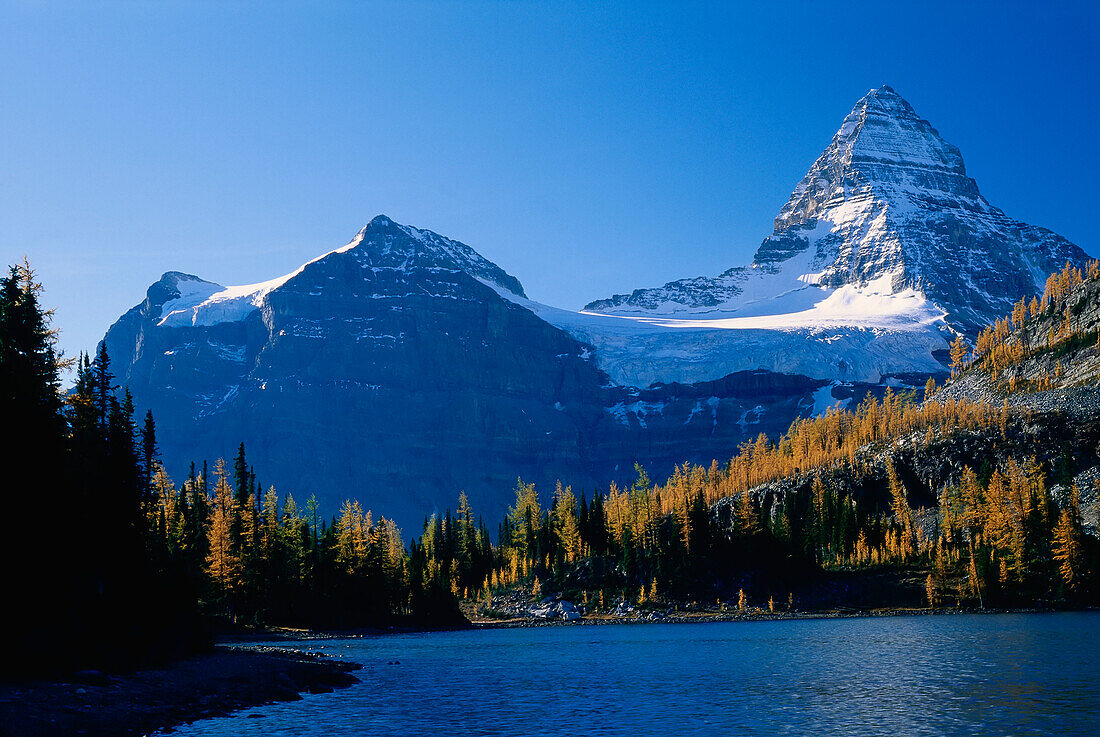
(404, 367)
(888, 202)
(392, 370)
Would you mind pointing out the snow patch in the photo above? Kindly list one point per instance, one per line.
(751, 417)
(210, 304)
(823, 399)
(639, 410)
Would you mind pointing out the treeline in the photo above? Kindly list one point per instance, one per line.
(704, 534)
(255, 557)
(719, 533)
(244, 556)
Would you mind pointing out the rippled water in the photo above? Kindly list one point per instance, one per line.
(950, 675)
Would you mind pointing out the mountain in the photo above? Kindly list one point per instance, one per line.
(404, 367)
(885, 231)
(400, 369)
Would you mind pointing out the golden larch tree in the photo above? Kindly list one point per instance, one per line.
(223, 562)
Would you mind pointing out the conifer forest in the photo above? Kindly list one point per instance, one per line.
(957, 502)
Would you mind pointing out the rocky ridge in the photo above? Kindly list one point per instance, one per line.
(889, 201)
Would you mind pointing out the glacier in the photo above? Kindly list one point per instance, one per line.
(884, 252)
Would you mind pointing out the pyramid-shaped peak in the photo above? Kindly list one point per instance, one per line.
(884, 92)
(883, 127)
(887, 209)
(883, 149)
(885, 101)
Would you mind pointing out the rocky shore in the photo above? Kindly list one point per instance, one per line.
(153, 699)
(515, 609)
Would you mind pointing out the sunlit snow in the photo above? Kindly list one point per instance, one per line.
(213, 303)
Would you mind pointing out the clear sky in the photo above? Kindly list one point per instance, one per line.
(586, 148)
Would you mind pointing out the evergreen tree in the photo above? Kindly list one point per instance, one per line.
(41, 588)
(241, 477)
(1067, 547)
(149, 450)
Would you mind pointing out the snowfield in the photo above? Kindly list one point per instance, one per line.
(848, 335)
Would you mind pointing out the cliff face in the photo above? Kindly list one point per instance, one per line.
(887, 203)
(392, 371)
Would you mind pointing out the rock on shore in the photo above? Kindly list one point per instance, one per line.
(228, 679)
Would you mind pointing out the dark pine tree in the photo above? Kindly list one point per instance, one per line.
(39, 585)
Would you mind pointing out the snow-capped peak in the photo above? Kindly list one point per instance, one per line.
(888, 197)
(884, 146)
(380, 244)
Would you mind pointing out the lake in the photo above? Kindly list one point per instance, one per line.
(1009, 674)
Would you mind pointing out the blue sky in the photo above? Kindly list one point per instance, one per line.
(586, 148)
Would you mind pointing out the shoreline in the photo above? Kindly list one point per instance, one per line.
(155, 699)
(711, 617)
(595, 620)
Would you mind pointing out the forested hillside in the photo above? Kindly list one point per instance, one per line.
(985, 491)
(1052, 342)
(981, 493)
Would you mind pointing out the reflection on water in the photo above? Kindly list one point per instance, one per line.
(951, 675)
